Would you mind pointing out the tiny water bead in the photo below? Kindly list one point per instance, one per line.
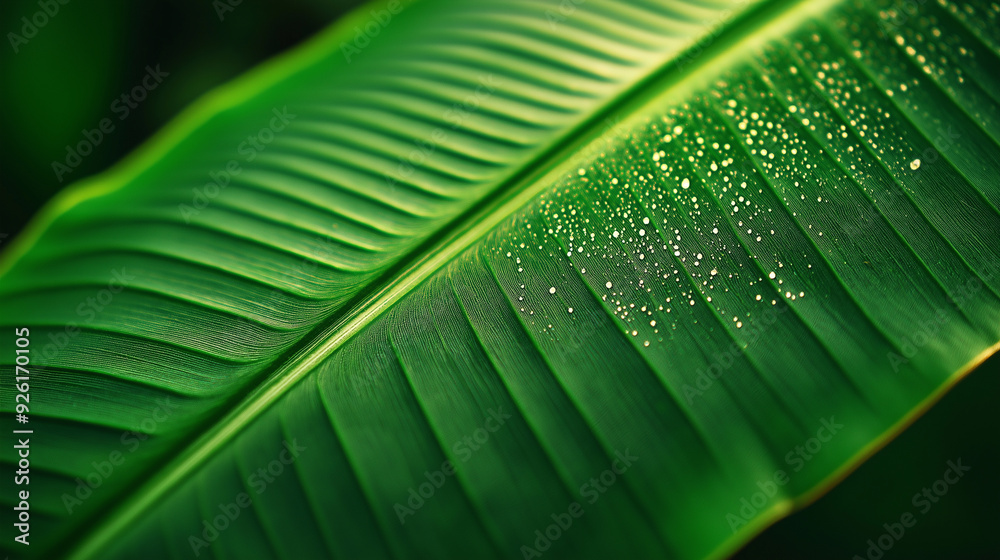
(669, 210)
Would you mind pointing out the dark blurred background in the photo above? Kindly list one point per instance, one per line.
(65, 78)
(963, 525)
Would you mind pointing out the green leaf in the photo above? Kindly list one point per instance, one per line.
(279, 202)
(948, 528)
(448, 274)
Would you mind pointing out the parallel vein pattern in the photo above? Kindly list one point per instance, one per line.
(182, 284)
(762, 277)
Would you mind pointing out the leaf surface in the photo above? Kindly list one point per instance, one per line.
(784, 249)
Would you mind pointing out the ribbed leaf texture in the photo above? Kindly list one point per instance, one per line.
(284, 197)
(523, 281)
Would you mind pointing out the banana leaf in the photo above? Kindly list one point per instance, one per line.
(516, 279)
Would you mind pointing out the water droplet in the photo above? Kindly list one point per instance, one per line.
(607, 285)
(552, 290)
(915, 164)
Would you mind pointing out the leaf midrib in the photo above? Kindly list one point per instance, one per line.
(430, 255)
